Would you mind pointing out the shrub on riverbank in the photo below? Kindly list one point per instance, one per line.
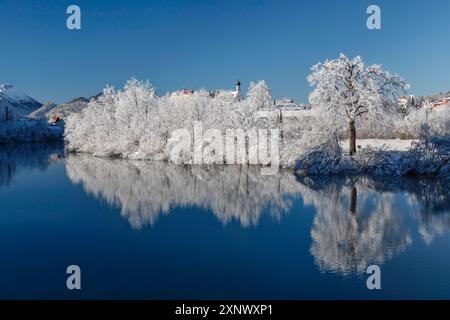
(430, 156)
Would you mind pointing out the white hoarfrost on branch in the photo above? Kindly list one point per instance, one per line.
(135, 123)
(348, 97)
(346, 89)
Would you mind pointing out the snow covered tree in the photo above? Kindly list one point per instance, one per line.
(347, 89)
(259, 95)
(136, 123)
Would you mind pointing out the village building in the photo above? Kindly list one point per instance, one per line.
(54, 119)
(445, 102)
(290, 104)
(405, 102)
(223, 94)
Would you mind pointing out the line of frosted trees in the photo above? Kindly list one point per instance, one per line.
(135, 123)
(350, 100)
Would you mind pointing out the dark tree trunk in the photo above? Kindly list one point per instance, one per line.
(353, 199)
(354, 219)
(352, 137)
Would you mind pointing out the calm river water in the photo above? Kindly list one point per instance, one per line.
(144, 230)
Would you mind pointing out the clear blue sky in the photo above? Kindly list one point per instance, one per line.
(207, 43)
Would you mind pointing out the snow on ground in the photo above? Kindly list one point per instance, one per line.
(386, 144)
(430, 156)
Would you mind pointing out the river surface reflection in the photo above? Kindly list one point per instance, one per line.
(142, 229)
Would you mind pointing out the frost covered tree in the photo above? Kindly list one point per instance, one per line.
(347, 89)
(245, 112)
(135, 123)
(259, 95)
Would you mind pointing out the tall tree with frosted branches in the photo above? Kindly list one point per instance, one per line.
(347, 88)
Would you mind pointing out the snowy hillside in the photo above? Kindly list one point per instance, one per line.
(63, 110)
(44, 111)
(76, 105)
(15, 127)
(7, 112)
(23, 104)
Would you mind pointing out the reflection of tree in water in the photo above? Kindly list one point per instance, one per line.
(13, 158)
(357, 222)
(428, 199)
(431, 194)
(433, 200)
(144, 190)
(354, 226)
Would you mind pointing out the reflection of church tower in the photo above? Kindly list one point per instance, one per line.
(238, 90)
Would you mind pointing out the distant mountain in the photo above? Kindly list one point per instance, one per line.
(63, 110)
(22, 103)
(7, 111)
(42, 112)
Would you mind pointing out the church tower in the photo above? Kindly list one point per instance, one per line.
(238, 91)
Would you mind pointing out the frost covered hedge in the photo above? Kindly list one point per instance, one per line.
(135, 123)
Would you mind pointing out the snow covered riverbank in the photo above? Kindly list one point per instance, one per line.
(378, 144)
(429, 156)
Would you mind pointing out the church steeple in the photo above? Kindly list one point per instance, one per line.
(238, 90)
